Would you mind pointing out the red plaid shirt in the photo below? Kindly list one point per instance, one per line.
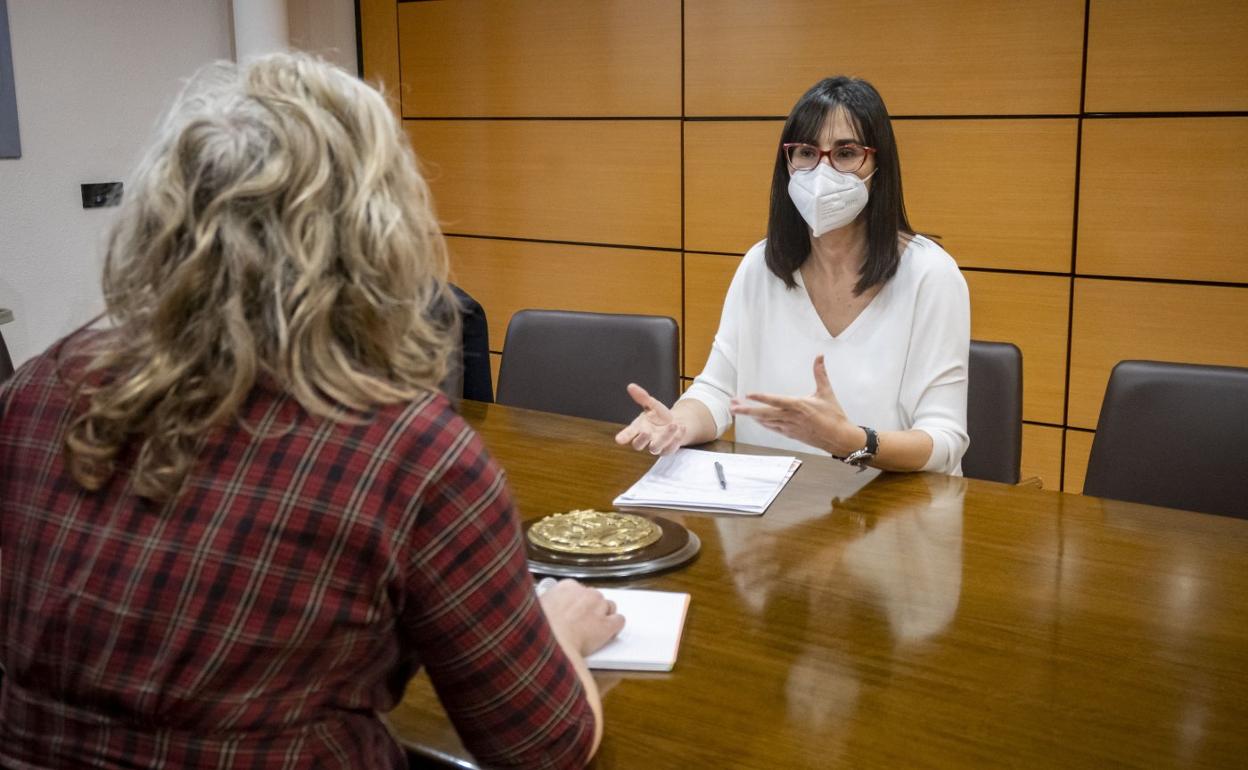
(264, 617)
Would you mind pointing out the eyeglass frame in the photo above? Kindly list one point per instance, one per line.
(868, 152)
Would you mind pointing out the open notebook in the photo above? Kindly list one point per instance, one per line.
(653, 623)
(688, 480)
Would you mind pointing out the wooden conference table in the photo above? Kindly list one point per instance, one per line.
(908, 620)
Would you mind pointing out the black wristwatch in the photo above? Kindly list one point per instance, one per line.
(864, 455)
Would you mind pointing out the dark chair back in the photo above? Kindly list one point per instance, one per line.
(994, 412)
(579, 363)
(1174, 435)
(6, 363)
(468, 373)
(478, 382)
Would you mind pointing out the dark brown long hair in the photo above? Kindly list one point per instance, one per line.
(788, 236)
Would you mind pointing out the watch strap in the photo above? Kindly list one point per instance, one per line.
(869, 451)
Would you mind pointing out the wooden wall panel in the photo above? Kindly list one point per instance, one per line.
(379, 42)
(1078, 449)
(506, 276)
(941, 57)
(1118, 320)
(495, 58)
(728, 168)
(496, 363)
(1000, 193)
(602, 181)
(1167, 55)
(706, 282)
(970, 82)
(1004, 200)
(1164, 198)
(1032, 311)
(1042, 455)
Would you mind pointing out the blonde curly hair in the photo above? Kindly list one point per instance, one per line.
(278, 225)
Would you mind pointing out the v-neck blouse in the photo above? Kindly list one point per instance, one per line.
(901, 364)
(813, 312)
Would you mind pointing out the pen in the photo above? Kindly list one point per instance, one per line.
(719, 471)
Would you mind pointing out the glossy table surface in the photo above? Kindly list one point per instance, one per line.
(908, 620)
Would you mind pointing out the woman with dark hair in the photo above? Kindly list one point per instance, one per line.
(844, 282)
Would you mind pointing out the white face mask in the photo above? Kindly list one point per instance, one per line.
(826, 198)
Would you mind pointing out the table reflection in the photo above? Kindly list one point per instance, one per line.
(889, 572)
(895, 620)
(907, 555)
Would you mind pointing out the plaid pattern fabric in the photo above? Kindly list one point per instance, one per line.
(265, 617)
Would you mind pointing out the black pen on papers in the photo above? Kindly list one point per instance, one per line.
(719, 471)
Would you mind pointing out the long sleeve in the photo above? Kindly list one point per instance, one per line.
(473, 615)
(900, 365)
(934, 385)
(717, 384)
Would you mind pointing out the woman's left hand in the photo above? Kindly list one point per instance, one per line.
(817, 419)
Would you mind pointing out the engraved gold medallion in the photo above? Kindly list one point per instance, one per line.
(594, 532)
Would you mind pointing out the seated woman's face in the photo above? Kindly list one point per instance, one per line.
(838, 131)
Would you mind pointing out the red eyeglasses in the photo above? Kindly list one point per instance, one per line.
(846, 158)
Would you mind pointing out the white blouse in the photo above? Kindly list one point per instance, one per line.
(900, 365)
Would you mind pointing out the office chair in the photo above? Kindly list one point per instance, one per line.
(468, 373)
(1174, 435)
(579, 363)
(994, 412)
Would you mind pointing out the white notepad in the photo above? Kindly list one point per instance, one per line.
(653, 623)
(687, 480)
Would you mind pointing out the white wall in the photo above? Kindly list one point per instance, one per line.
(260, 28)
(92, 78)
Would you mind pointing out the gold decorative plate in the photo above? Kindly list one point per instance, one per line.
(593, 545)
(587, 532)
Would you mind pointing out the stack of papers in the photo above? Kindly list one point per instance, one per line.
(688, 480)
(653, 623)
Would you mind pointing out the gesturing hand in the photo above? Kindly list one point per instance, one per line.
(817, 419)
(656, 429)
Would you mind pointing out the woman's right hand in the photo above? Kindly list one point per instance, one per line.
(656, 429)
(581, 615)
